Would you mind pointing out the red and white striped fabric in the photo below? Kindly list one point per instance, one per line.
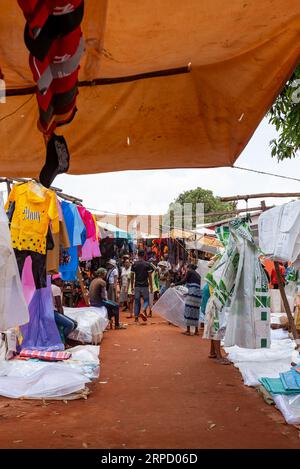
(48, 356)
(54, 39)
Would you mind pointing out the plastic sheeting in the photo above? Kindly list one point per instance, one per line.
(170, 306)
(48, 381)
(289, 406)
(91, 324)
(279, 350)
(279, 232)
(249, 319)
(37, 379)
(268, 363)
(252, 372)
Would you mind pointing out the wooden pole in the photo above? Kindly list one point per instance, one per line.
(259, 196)
(287, 306)
(237, 211)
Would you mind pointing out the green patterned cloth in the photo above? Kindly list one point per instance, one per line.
(239, 281)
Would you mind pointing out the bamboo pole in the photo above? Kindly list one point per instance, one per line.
(287, 306)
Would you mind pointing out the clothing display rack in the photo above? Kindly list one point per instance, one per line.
(59, 192)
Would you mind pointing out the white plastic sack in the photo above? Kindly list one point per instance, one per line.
(279, 350)
(170, 306)
(253, 371)
(289, 406)
(248, 323)
(85, 353)
(91, 324)
(84, 364)
(275, 301)
(279, 334)
(48, 381)
(279, 232)
(202, 270)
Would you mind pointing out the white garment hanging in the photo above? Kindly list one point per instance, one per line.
(13, 308)
(279, 232)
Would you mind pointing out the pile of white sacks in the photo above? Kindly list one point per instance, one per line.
(68, 379)
(254, 364)
(51, 380)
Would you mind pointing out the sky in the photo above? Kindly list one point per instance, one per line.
(150, 192)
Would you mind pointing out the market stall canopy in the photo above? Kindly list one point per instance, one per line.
(177, 233)
(222, 64)
(206, 244)
(201, 230)
(112, 231)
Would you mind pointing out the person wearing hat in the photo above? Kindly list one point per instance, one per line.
(98, 297)
(164, 270)
(112, 277)
(63, 322)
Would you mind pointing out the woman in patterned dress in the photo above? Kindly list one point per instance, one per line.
(192, 299)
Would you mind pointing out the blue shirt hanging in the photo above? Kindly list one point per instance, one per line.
(77, 235)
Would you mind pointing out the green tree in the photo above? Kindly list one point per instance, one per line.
(198, 196)
(285, 116)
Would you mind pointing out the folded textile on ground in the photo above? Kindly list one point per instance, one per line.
(290, 380)
(275, 386)
(47, 356)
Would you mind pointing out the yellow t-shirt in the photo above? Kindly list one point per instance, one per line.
(35, 208)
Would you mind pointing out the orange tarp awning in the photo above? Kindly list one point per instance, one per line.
(241, 54)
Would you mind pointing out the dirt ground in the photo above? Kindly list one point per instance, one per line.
(157, 389)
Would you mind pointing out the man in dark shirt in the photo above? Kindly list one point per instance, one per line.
(141, 278)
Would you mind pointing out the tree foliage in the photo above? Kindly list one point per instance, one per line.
(200, 196)
(285, 116)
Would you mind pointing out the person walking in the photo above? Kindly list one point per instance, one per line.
(192, 299)
(141, 279)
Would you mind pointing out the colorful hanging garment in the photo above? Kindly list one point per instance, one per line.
(41, 333)
(69, 259)
(90, 249)
(54, 39)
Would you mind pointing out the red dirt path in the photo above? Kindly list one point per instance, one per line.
(162, 392)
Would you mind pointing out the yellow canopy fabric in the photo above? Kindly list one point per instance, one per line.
(241, 53)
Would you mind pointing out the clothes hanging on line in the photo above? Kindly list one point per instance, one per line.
(35, 207)
(69, 259)
(279, 232)
(61, 241)
(90, 248)
(41, 332)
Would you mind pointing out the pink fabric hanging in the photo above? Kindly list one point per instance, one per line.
(28, 280)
